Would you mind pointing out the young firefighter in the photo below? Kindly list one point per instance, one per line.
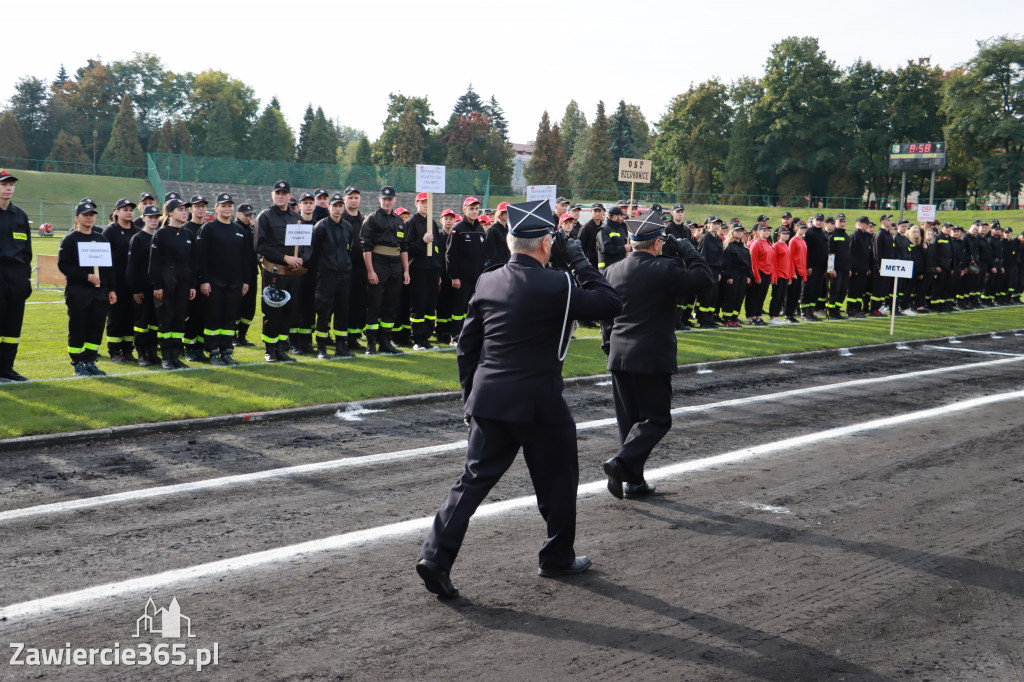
(798, 256)
(357, 290)
(762, 260)
(842, 269)
(279, 269)
(465, 259)
(225, 260)
(300, 333)
(425, 273)
(88, 296)
(331, 262)
(194, 324)
(172, 273)
(784, 275)
(15, 274)
(387, 269)
(119, 321)
(736, 275)
(244, 219)
(137, 276)
(446, 295)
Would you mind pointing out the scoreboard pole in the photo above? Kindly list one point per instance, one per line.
(931, 190)
(903, 194)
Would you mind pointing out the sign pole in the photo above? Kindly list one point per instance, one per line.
(629, 211)
(430, 222)
(96, 271)
(931, 190)
(903, 193)
(892, 319)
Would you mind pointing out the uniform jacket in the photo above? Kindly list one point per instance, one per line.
(588, 238)
(137, 271)
(383, 229)
(839, 244)
(798, 254)
(939, 254)
(508, 349)
(817, 247)
(172, 248)
(710, 247)
(762, 260)
(611, 243)
(67, 261)
(465, 253)
(15, 240)
(271, 228)
(119, 239)
(736, 263)
(783, 262)
(495, 245)
(862, 251)
(332, 247)
(884, 246)
(223, 254)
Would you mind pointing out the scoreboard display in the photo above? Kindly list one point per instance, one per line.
(906, 156)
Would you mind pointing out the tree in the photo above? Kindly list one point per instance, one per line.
(693, 140)
(866, 113)
(409, 142)
(623, 143)
(473, 144)
(362, 155)
(307, 123)
(11, 144)
(61, 79)
(914, 99)
(156, 92)
(641, 131)
(548, 165)
(738, 176)
(181, 139)
(469, 103)
(573, 124)
(385, 151)
(322, 143)
(124, 149)
(218, 131)
(207, 88)
(29, 106)
(86, 104)
(497, 116)
(67, 155)
(577, 162)
(598, 168)
(272, 139)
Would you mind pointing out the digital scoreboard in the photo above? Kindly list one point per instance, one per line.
(907, 156)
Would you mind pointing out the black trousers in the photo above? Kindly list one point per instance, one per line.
(15, 288)
(403, 324)
(732, 298)
(303, 304)
(707, 300)
(120, 320)
(172, 310)
(796, 287)
(780, 296)
(839, 286)
(755, 296)
(814, 288)
(940, 287)
(220, 311)
(446, 301)
(87, 314)
(382, 297)
(858, 287)
(247, 311)
(357, 302)
(194, 322)
(423, 292)
(462, 297)
(551, 457)
(276, 321)
(994, 283)
(643, 410)
(332, 297)
(144, 322)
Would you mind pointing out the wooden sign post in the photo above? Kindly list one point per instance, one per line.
(634, 171)
(96, 254)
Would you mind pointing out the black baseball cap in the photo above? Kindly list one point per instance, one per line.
(7, 177)
(561, 200)
(616, 210)
(85, 207)
(337, 199)
(320, 191)
(840, 216)
(597, 207)
(831, 220)
(121, 203)
(818, 216)
(712, 219)
(351, 189)
(245, 208)
(197, 199)
(678, 207)
(387, 192)
(171, 195)
(152, 209)
(224, 198)
(146, 195)
(282, 185)
(787, 214)
(173, 204)
(306, 195)
(886, 215)
(762, 218)
(864, 219)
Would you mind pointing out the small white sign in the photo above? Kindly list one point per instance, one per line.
(430, 179)
(925, 212)
(538, 192)
(831, 263)
(298, 235)
(897, 268)
(634, 170)
(94, 255)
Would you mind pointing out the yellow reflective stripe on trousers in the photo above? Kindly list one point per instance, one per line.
(9, 339)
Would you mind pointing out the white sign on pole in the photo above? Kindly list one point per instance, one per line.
(430, 179)
(897, 268)
(831, 263)
(538, 192)
(94, 255)
(634, 170)
(298, 235)
(925, 212)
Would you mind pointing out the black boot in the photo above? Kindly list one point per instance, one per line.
(294, 344)
(341, 348)
(176, 358)
(168, 353)
(386, 345)
(371, 342)
(126, 351)
(321, 349)
(145, 359)
(271, 353)
(240, 340)
(281, 355)
(306, 343)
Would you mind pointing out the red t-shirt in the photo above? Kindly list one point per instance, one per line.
(798, 254)
(783, 262)
(762, 260)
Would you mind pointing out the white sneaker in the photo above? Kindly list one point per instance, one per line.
(775, 321)
(911, 312)
(884, 310)
(427, 347)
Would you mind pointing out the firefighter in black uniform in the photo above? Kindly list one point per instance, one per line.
(510, 367)
(303, 304)
(861, 259)
(332, 263)
(495, 247)
(611, 240)
(145, 199)
(322, 208)
(137, 276)
(842, 268)
(387, 269)
(243, 216)
(88, 295)
(1011, 260)
(641, 345)
(447, 296)
(172, 274)
(465, 259)
(680, 229)
(939, 263)
(119, 320)
(997, 272)
(961, 260)
(590, 231)
(15, 274)
(817, 260)
(883, 248)
(712, 250)
(280, 268)
(358, 286)
(984, 250)
(425, 272)
(225, 260)
(194, 324)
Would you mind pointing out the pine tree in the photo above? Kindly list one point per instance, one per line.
(598, 171)
(62, 78)
(156, 139)
(321, 143)
(363, 152)
(469, 103)
(738, 176)
(559, 162)
(577, 162)
(181, 140)
(573, 125)
(67, 150)
(123, 149)
(539, 169)
(307, 123)
(272, 139)
(623, 146)
(218, 132)
(11, 144)
(498, 122)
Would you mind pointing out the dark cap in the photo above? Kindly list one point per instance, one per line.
(958, 227)
(947, 224)
(351, 189)
(864, 219)
(146, 195)
(173, 204)
(152, 209)
(530, 219)
(245, 208)
(818, 216)
(886, 215)
(7, 177)
(616, 210)
(282, 185)
(840, 216)
(622, 202)
(197, 199)
(387, 192)
(785, 230)
(650, 227)
(903, 222)
(320, 192)
(121, 203)
(169, 196)
(306, 195)
(736, 227)
(575, 207)
(678, 207)
(666, 217)
(712, 219)
(337, 199)
(977, 221)
(830, 220)
(995, 223)
(787, 214)
(561, 200)
(224, 198)
(85, 207)
(762, 218)
(597, 207)
(292, 202)
(656, 208)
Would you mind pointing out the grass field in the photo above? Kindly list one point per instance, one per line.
(57, 402)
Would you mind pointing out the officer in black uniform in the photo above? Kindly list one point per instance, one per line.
(961, 260)
(712, 250)
(385, 254)
(322, 208)
(358, 286)
(15, 274)
(939, 263)
(995, 284)
(247, 311)
(303, 304)
(641, 345)
(425, 272)
(817, 260)
(842, 269)
(225, 260)
(119, 321)
(611, 240)
(883, 248)
(510, 367)
(590, 230)
(279, 268)
(137, 277)
(465, 259)
(331, 261)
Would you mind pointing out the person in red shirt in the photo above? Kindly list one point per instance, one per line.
(798, 256)
(784, 275)
(762, 262)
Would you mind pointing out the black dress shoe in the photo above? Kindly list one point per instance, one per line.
(580, 565)
(613, 468)
(436, 580)
(10, 375)
(634, 490)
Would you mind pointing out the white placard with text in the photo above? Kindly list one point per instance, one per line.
(538, 192)
(94, 255)
(430, 179)
(891, 267)
(298, 235)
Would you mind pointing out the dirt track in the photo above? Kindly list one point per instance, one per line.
(890, 553)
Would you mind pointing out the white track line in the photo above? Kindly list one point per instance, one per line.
(431, 450)
(78, 598)
(972, 350)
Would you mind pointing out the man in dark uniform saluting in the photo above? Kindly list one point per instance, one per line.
(510, 368)
(641, 345)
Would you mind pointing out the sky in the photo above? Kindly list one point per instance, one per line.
(532, 56)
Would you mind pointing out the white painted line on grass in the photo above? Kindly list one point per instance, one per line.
(78, 598)
(972, 350)
(432, 450)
